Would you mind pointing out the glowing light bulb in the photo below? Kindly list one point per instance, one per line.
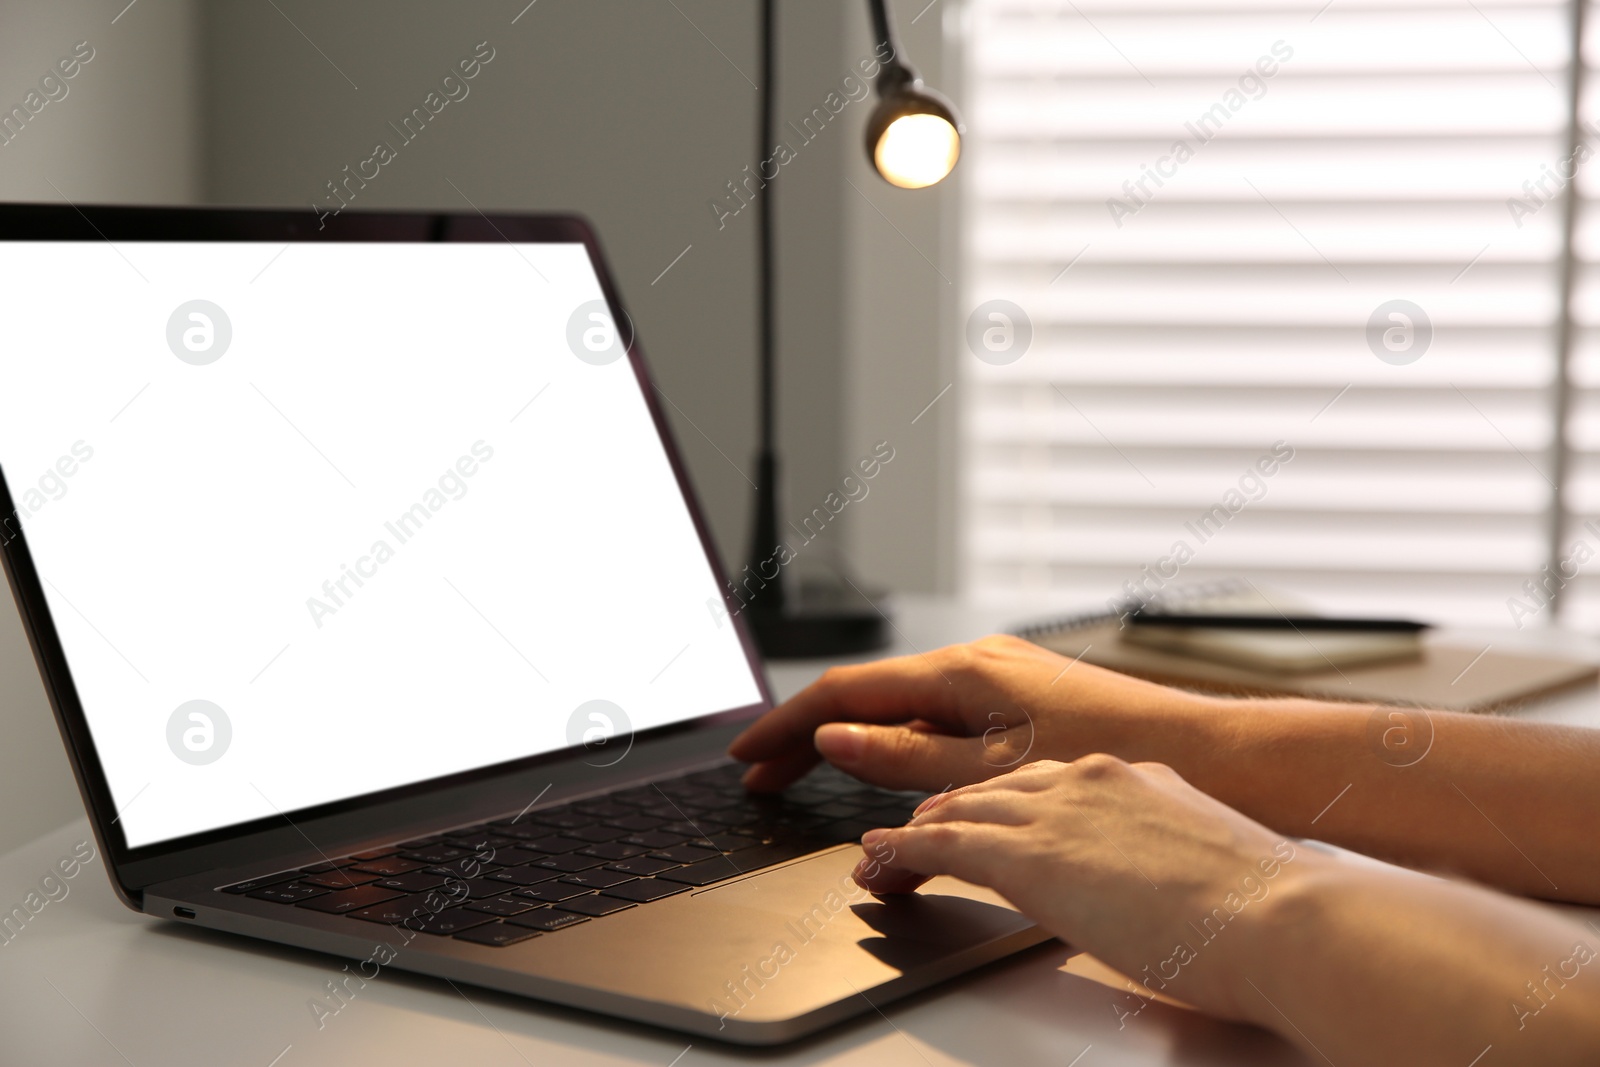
(917, 150)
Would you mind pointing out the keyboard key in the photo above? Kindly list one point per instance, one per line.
(479, 842)
(331, 865)
(516, 857)
(887, 816)
(697, 828)
(289, 893)
(552, 892)
(684, 854)
(526, 831)
(348, 879)
(645, 890)
(415, 882)
(467, 868)
(595, 834)
(497, 935)
(725, 842)
(642, 866)
(656, 839)
(555, 846)
(566, 820)
(778, 852)
(703, 873)
(613, 850)
(374, 854)
(477, 888)
(440, 853)
(603, 809)
(392, 912)
(523, 875)
(452, 892)
(596, 906)
(662, 809)
(350, 899)
(450, 921)
(252, 884)
(570, 864)
(598, 879)
(839, 809)
(390, 866)
(547, 919)
(503, 905)
(637, 823)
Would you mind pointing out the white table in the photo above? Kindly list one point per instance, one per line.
(89, 982)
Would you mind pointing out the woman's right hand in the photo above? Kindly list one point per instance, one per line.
(1126, 861)
(959, 715)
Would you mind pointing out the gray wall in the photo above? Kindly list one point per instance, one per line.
(619, 109)
(902, 332)
(126, 131)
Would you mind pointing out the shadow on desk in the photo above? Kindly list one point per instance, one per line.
(1046, 1005)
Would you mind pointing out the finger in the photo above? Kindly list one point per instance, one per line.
(888, 691)
(1035, 777)
(896, 757)
(776, 775)
(898, 860)
(1003, 807)
(877, 873)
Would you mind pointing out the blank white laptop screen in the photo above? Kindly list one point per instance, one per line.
(327, 519)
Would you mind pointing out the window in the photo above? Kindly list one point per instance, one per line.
(1333, 229)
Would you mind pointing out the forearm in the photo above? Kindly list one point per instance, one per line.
(1509, 803)
(1376, 966)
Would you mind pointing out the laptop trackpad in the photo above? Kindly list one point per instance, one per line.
(785, 943)
(816, 902)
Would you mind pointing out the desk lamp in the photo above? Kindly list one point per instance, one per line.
(913, 139)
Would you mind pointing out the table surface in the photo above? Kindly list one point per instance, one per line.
(89, 982)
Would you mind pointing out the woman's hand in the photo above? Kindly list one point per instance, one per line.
(1354, 962)
(958, 715)
(1128, 862)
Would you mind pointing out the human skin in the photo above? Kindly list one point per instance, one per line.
(1504, 802)
(1354, 962)
(1121, 815)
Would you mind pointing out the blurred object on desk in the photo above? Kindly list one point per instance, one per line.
(1435, 672)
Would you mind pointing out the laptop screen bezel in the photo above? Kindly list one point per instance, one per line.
(134, 868)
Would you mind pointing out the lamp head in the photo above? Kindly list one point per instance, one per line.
(914, 134)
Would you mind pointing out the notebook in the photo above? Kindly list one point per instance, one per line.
(1446, 673)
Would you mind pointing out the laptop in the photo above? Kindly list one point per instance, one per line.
(379, 618)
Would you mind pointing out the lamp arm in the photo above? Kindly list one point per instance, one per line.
(896, 71)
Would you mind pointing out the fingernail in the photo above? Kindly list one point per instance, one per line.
(841, 741)
(872, 837)
(929, 804)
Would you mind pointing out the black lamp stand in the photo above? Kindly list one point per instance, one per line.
(791, 619)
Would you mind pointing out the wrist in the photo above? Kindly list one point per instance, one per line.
(1279, 932)
(1190, 732)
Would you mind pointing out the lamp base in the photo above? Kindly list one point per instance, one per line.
(823, 620)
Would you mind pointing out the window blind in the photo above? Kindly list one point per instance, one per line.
(1206, 211)
(1578, 553)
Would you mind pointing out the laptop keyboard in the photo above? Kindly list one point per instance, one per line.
(508, 880)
